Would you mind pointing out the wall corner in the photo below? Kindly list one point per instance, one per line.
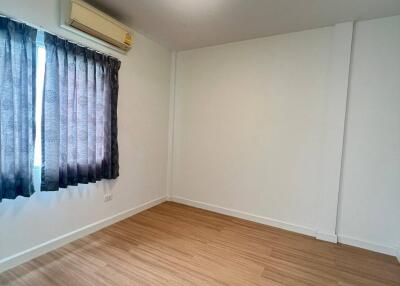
(171, 127)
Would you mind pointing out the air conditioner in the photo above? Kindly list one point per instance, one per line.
(90, 20)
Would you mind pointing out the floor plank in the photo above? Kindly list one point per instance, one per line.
(173, 244)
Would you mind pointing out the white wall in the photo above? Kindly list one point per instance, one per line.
(143, 130)
(249, 126)
(370, 196)
(259, 128)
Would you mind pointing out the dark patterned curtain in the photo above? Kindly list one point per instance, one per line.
(17, 108)
(79, 119)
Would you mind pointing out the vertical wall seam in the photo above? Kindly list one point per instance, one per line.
(336, 120)
(338, 207)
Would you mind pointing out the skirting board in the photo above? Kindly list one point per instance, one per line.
(367, 245)
(246, 216)
(291, 227)
(50, 245)
(330, 237)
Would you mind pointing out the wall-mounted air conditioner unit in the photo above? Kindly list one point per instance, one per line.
(86, 18)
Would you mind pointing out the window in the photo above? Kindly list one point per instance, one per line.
(58, 112)
(40, 69)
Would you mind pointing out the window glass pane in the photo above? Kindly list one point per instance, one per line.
(40, 67)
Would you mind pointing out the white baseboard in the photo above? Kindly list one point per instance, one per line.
(367, 245)
(291, 227)
(14, 260)
(330, 237)
(246, 216)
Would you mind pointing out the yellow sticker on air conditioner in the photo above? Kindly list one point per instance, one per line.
(128, 39)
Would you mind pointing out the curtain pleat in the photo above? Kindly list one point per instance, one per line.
(79, 119)
(17, 108)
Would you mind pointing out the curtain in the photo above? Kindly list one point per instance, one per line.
(17, 108)
(79, 116)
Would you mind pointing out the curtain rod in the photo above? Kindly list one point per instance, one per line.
(41, 28)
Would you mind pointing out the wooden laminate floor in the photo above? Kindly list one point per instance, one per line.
(173, 244)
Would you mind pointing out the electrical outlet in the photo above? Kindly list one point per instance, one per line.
(107, 197)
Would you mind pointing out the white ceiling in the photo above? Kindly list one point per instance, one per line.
(188, 24)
